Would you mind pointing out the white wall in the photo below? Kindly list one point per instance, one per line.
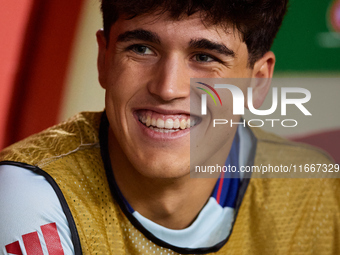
(83, 92)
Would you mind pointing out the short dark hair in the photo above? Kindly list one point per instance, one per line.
(257, 20)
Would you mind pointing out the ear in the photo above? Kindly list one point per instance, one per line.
(262, 74)
(101, 41)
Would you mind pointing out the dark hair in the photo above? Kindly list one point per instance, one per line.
(257, 20)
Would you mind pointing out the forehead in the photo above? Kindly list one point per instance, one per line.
(183, 28)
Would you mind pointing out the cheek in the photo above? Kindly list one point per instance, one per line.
(117, 97)
(121, 83)
(126, 77)
(124, 87)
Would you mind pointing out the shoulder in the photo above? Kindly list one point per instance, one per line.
(56, 141)
(275, 148)
(30, 210)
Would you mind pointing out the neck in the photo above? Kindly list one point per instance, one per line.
(170, 202)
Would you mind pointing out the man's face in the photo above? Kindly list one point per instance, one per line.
(146, 69)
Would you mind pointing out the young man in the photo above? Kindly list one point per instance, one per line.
(119, 182)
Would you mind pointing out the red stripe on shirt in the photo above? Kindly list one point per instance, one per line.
(219, 191)
(32, 244)
(52, 239)
(14, 248)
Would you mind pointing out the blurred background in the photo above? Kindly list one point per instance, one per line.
(48, 62)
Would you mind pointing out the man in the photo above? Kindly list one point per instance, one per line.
(119, 182)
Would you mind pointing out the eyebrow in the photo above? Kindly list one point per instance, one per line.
(210, 45)
(139, 34)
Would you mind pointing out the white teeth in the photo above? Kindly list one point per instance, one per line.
(169, 123)
(163, 130)
(183, 124)
(144, 119)
(153, 122)
(176, 123)
(160, 123)
(148, 121)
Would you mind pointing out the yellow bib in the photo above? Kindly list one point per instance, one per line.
(277, 216)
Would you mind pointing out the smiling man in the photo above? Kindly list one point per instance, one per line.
(118, 182)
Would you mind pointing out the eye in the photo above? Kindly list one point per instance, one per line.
(204, 58)
(141, 49)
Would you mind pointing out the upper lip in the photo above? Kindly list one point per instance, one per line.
(165, 111)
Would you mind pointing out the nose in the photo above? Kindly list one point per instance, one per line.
(172, 79)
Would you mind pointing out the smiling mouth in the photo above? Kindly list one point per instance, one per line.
(163, 123)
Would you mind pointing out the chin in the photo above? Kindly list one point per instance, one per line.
(165, 171)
